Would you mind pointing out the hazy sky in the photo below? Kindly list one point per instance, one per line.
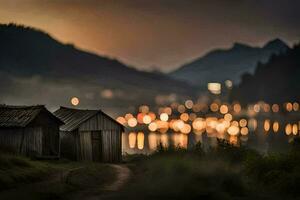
(162, 33)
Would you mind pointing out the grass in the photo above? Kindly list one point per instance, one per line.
(225, 172)
(185, 175)
(22, 178)
(15, 170)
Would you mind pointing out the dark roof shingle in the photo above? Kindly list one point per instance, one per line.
(74, 117)
(20, 116)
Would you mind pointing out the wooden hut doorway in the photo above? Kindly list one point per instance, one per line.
(97, 145)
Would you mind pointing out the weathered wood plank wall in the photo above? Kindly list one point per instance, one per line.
(26, 141)
(110, 132)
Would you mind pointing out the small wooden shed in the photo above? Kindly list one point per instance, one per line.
(29, 130)
(90, 135)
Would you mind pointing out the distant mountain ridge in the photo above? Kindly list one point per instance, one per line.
(28, 55)
(222, 64)
(276, 81)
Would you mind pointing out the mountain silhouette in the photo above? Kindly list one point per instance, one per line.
(276, 81)
(222, 64)
(28, 55)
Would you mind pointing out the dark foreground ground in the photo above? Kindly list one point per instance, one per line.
(226, 172)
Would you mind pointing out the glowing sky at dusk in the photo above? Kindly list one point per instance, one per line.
(162, 33)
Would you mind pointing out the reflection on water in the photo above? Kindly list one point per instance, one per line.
(262, 134)
(140, 140)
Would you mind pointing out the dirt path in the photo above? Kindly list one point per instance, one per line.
(123, 174)
(107, 191)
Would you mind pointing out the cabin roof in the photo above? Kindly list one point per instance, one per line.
(21, 116)
(73, 118)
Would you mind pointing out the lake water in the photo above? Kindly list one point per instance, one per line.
(265, 133)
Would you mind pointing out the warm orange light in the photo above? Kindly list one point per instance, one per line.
(152, 115)
(121, 120)
(199, 124)
(178, 125)
(288, 129)
(224, 109)
(164, 117)
(228, 117)
(132, 122)
(289, 107)
(275, 108)
(167, 110)
(233, 140)
(220, 128)
(214, 107)
(244, 131)
(147, 119)
(233, 130)
(256, 108)
(237, 108)
(132, 139)
(275, 127)
(164, 140)
(153, 141)
(295, 129)
(140, 140)
(186, 129)
(184, 117)
(252, 124)
(74, 101)
(228, 84)
(214, 88)
(243, 122)
(153, 126)
(181, 108)
(235, 123)
(295, 106)
(267, 125)
(189, 104)
(128, 116)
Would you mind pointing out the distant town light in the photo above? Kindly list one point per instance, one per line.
(237, 108)
(132, 122)
(75, 101)
(189, 104)
(152, 126)
(267, 125)
(121, 120)
(275, 127)
(147, 119)
(228, 84)
(164, 117)
(224, 109)
(214, 88)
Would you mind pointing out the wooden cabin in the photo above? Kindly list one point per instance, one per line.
(90, 135)
(29, 130)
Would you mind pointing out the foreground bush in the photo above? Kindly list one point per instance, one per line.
(279, 174)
